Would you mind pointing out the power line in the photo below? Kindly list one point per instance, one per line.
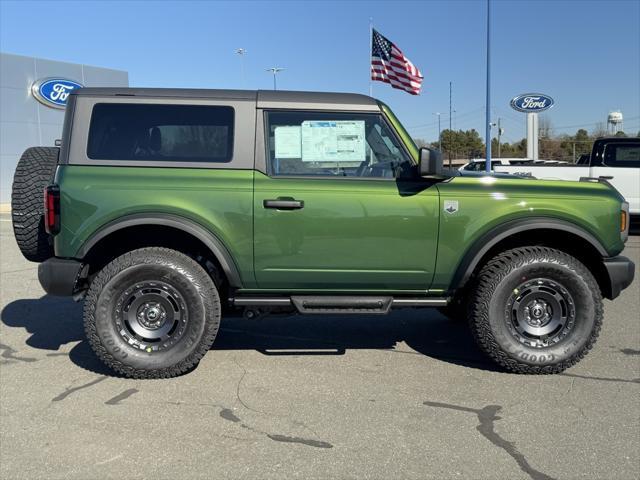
(444, 115)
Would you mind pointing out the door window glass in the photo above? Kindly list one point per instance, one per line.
(334, 145)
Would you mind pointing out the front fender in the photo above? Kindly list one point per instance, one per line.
(488, 240)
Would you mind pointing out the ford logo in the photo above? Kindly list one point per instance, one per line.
(53, 92)
(532, 102)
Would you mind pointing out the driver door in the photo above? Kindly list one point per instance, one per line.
(340, 207)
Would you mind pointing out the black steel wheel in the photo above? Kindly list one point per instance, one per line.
(151, 316)
(152, 313)
(542, 313)
(535, 310)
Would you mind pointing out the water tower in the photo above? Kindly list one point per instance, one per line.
(614, 122)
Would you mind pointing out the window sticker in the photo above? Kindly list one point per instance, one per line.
(333, 141)
(288, 142)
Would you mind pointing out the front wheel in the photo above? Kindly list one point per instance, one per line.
(536, 310)
(152, 313)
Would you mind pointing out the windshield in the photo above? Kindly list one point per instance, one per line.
(404, 135)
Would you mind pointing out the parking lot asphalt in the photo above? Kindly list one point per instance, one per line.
(402, 396)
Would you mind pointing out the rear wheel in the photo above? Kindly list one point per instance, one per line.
(35, 170)
(152, 313)
(536, 310)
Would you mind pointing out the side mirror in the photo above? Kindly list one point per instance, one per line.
(430, 162)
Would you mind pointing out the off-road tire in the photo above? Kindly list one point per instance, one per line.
(489, 310)
(34, 172)
(179, 273)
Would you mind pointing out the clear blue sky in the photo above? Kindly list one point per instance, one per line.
(585, 54)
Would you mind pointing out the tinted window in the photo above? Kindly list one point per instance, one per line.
(334, 144)
(189, 133)
(625, 155)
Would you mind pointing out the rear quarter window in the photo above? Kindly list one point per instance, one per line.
(622, 155)
(141, 132)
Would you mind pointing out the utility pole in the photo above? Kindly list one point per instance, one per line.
(450, 131)
(240, 52)
(439, 135)
(274, 70)
(499, 141)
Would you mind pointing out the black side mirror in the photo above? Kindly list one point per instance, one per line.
(430, 162)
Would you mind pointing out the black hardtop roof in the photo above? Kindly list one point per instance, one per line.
(260, 96)
(617, 139)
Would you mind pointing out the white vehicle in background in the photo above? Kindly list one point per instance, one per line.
(478, 164)
(616, 160)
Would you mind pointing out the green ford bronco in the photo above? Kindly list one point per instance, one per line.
(164, 208)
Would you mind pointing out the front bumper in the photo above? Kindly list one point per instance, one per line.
(621, 271)
(59, 276)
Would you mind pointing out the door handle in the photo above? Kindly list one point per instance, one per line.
(283, 204)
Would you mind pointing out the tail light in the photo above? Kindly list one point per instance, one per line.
(52, 209)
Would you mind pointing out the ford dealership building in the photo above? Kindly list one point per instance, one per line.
(33, 93)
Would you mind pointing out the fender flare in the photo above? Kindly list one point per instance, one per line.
(213, 243)
(489, 239)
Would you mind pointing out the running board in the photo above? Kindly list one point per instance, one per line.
(342, 304)
(345, 304)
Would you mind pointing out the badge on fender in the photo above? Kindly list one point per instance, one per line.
(451, 206)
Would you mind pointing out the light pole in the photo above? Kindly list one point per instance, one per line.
(488, 101)
(450, 130)
(274, 70)
(439, 139)
(241, 52)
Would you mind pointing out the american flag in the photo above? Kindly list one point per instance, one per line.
(389, 65)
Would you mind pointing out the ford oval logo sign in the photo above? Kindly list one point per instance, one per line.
(532, 102)
(53, 92)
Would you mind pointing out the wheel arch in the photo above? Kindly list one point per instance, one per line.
(168, 222)
(555, 233)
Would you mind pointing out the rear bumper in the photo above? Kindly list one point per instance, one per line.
(58, 276)
(621, 271)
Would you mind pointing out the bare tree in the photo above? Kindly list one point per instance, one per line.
(545, 128)
(600, 130)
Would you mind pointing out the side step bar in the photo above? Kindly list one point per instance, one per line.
(346, 304)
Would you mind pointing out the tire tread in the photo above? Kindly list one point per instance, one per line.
(35, 170)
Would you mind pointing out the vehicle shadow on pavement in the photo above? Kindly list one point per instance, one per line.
(53, 322)
(424, 331)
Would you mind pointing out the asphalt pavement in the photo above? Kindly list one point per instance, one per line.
(395, 397)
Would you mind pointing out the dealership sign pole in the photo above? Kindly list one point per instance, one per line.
(488, 102)
(532, 104)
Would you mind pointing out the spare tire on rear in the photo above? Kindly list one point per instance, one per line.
(34, 172)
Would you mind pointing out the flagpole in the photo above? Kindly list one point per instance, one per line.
(370, 43)
(488, 102)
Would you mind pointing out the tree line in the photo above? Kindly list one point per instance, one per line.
(467, 144)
